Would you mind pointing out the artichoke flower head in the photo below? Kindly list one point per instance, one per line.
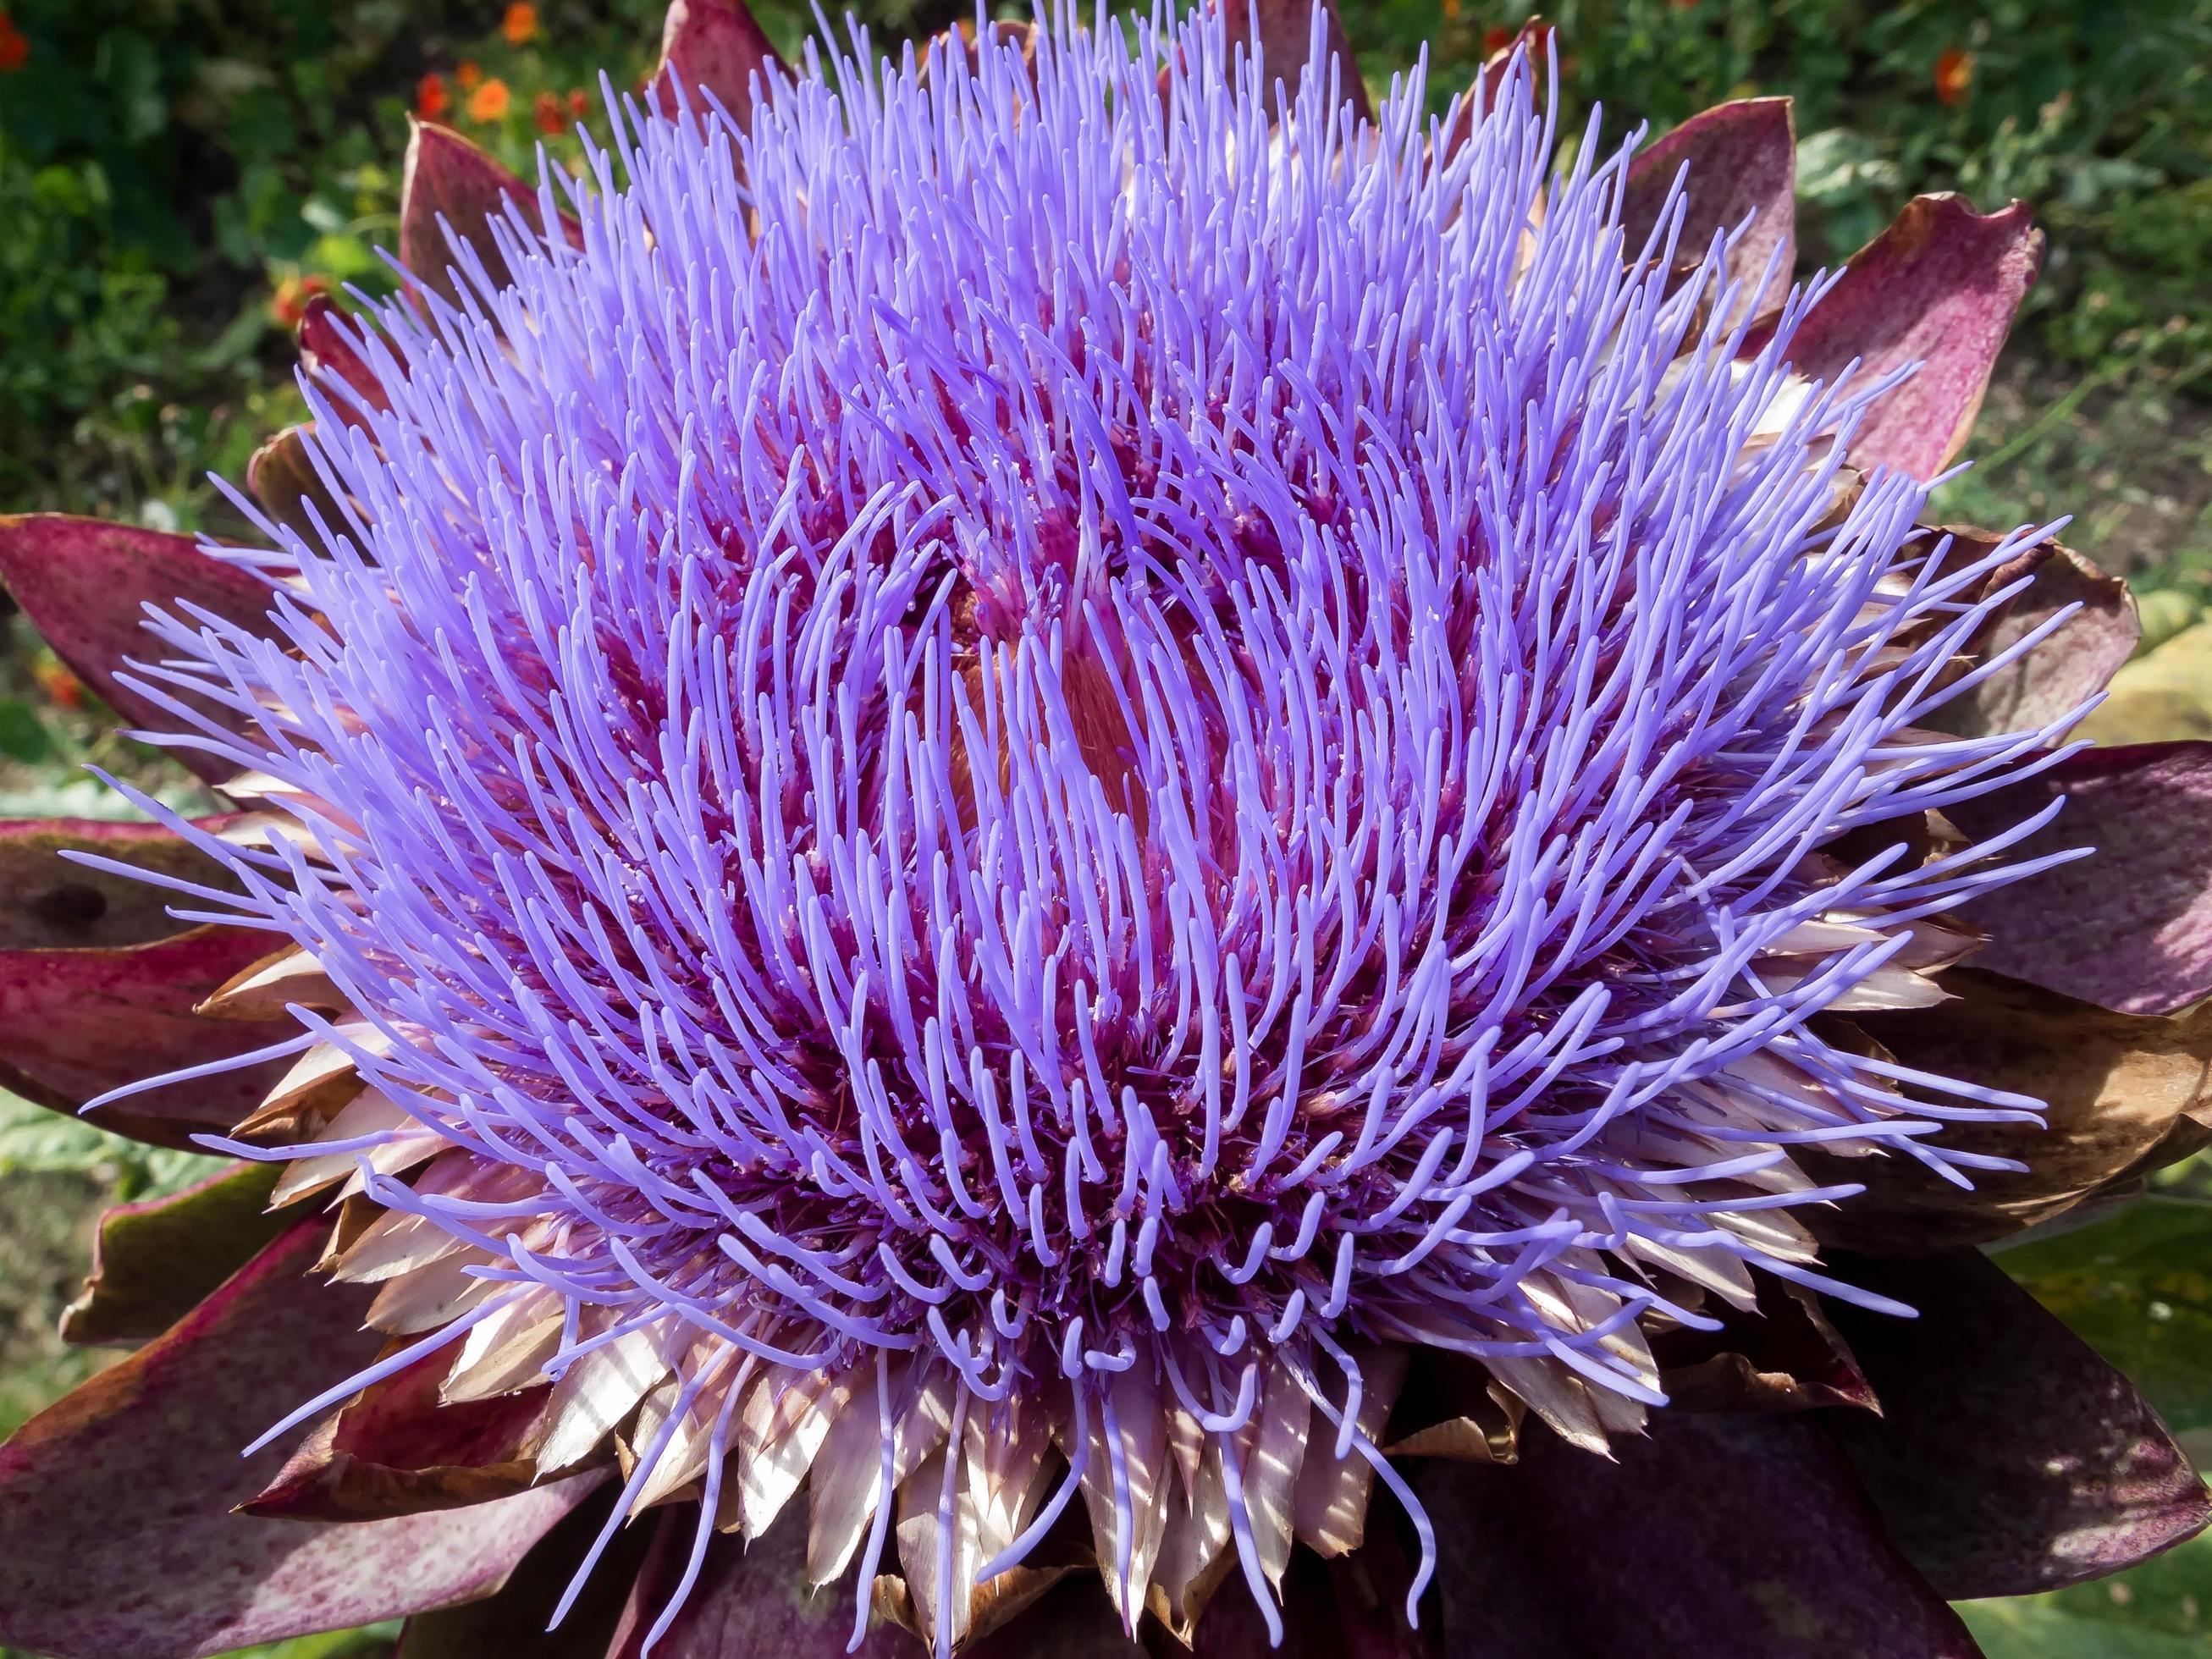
(1068, 846)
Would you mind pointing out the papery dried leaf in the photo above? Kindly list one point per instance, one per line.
(2117, 1086)
(845, 1478)
(594, 1396)
(1143, 1483)
(1329, 1511)
(1073, 1620)
(300, 1104)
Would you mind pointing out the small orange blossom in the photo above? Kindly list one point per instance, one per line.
(489, 102)
(1954, 74)
(289, 302)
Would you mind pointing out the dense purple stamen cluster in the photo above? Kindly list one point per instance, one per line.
(1026, 719)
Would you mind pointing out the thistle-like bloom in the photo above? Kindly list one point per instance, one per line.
(1060, 796)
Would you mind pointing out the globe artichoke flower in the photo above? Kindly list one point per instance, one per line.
(1070, 847)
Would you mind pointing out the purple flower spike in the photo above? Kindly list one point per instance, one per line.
(1038, 766)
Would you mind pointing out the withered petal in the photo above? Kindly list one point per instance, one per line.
(2009, 1457)
(327, 348)
(515, 1620)
(1350, 1607)
(963, 39)
(748, 1600)
(1533, 38)
(1742, 158)
(266, 987)
(48, 902)
(398, 1450)
(1282, 39)
(282, 475)
(2069, 666)
(1451, 1406)
(115, 1537)
(448, 177)
(1784, 1356)
(2119, 1088)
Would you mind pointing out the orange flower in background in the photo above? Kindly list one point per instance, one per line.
(15, 46)
(468, 75)
(62, 688)
(520, 23)
(489, 102)
(431, 99)
(550, 115)
(289, 302)
(1954, 74)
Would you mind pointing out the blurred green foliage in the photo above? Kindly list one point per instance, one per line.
(33, 1141)
(166, 169)
(175, 174)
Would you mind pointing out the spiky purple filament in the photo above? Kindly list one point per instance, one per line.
(1118, 739)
